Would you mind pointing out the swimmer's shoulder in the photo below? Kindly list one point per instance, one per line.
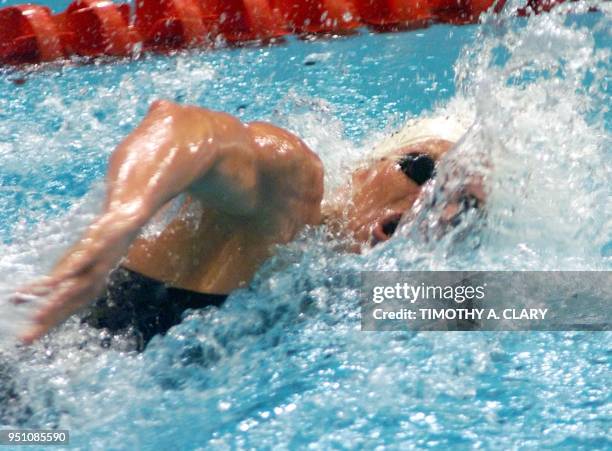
(280, 149)
(293, 171)
(268, 134)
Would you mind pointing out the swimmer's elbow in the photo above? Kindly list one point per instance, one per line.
(181, 115)
(168, 107)
(162, 110)
(162, 105)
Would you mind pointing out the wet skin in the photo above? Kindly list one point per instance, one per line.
(248, 187)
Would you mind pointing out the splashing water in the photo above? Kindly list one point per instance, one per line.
(283, 364)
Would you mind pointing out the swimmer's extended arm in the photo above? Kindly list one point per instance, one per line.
(243, 170)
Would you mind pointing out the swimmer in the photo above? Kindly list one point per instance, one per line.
(254, 185)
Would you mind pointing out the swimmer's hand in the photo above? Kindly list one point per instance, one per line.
(80, 276)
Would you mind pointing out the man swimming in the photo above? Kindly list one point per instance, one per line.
(248, 187)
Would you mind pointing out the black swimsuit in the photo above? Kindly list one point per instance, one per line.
(143, 306)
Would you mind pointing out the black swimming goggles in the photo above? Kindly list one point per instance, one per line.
(418, 167)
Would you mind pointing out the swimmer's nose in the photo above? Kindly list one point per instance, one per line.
(385, 228)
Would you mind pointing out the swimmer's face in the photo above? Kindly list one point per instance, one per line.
(387, 188)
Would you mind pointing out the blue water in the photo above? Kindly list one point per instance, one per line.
(283, 363)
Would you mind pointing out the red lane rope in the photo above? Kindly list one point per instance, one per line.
(31, 34)
(93, 27)
(28, 35)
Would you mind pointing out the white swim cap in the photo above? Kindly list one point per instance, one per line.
(418, 130)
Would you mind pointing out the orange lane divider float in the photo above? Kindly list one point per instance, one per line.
(245, 20)
(461, 12)
(167, 24)
(95, 27)
(390, 14)
(318, 16)
(90, 28)
(28, 35)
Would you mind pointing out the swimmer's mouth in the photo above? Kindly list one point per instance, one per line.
(385, 228)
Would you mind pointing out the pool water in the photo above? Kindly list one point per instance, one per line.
(283, 364)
